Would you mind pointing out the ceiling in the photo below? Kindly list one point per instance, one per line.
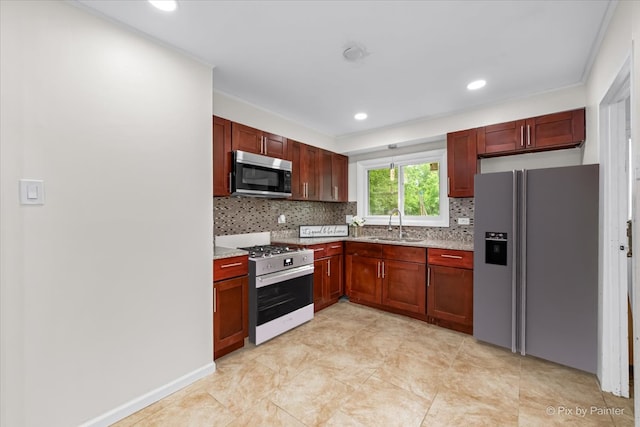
(287, 56)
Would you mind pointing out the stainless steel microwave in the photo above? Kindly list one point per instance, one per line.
(260, 176)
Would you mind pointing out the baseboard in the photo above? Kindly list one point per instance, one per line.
(147, 399)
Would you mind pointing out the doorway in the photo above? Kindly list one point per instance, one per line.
(617, 284)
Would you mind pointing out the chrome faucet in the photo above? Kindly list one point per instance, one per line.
(393, 211)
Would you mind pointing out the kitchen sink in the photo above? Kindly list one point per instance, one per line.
(395, 239)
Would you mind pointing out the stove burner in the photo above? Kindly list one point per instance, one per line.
(268, 250)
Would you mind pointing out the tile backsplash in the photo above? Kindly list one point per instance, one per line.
(237, 215)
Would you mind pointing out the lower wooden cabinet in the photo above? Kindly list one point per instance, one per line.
(403, 286)
(328, 275)
(450, 289)
(230, 305)
(386, 275)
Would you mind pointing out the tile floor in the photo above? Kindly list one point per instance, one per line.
(356, 366)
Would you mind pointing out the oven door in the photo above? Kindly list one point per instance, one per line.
(284, 292)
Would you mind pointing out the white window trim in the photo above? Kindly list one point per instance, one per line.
(439, 155)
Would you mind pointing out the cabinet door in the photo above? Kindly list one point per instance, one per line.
(230, 315)
(326, 180)
(501, 138)
(339, 174)
(246, 138)
(310, 160)
(404, 286)
(334, 277)
(363, 279)
(275, 146)
(297, 184)
(221, 156)
(462, 162)
(450, 294)
(319, 273)
(565, 129)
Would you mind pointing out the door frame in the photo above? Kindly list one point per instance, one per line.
(613, 369)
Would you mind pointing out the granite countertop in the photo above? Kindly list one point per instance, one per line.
(427, 243)
(220, 252)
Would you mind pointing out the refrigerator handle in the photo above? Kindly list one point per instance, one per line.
(514, 263)
(523, 266)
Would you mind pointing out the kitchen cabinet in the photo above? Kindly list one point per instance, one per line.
(462, 162)
(253, 140)
(328, 274)
(221, 156)
(305, 178)
(548, 132)
(387, 276)
(450, 289)
(230, 304)
(334, 186)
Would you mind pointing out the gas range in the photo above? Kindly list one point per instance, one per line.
(264, 251)
(280, 290)
(266, 259)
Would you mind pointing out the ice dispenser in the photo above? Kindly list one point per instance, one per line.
(495, 248)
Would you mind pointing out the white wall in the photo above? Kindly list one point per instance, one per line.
(106, 289)
(242, 112)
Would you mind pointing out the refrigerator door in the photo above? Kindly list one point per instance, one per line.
(560, 279)
(494, 286)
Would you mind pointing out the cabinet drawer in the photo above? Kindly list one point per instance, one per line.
(364, 249)
(334, 248)
(227, 268)
(451, 258)
(319, 251)
(404, 253)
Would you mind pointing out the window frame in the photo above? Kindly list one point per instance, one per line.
(362, 168)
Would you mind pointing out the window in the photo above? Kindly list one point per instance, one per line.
(416, 184)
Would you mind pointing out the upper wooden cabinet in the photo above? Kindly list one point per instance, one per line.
(221, 156)
(462, 162)
(549, 132)
(305, 178)
(253, 140)
(318, 175)
(334, 185)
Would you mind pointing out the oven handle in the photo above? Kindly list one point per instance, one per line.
(281, 276)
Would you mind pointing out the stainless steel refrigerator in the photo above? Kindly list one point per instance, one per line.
(535, 272)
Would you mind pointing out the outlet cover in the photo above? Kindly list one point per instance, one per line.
(348, 219)
(464, 221)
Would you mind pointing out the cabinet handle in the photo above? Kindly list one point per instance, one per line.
(428, 276)
(334, 247)
(378, 275)
(335, 190)
(383, 275)
(306, 190)
(451, 256)
(262, 146)
(329, 267)
(215, 302)
(230, 183)
(448, 185)
(528, 135)
(318, 249)
(521, 136)
(233, 264)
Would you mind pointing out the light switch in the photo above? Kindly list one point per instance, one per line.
(31, 192)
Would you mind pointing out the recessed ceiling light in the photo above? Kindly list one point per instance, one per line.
(477, 84)
(165, 5)
(360, 116)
